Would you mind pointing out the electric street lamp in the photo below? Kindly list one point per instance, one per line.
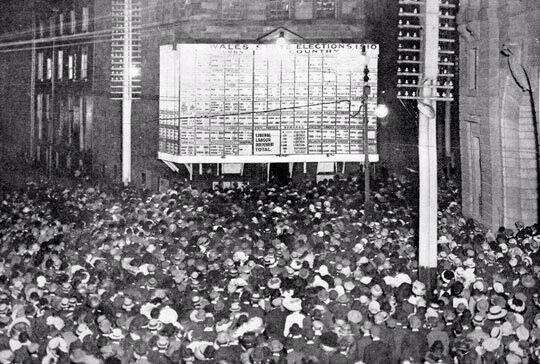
(380, 112)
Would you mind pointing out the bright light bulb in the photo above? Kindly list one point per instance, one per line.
(134, 71)
(381, 111)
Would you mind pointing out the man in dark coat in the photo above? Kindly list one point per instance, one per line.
(364, 341)
(275, 320)
(414, 345)
(328, 352)
(378, 351)
(225, 351)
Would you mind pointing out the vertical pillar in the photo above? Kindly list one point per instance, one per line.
(52, 117)
(427, 151)
(33, 75)
(447, 137)
(126, 140)
(126, 96)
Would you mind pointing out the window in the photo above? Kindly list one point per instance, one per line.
(40, 65)
(278, 9)
(52, 25)
(476, 164)
(49, 68)
(84, 62)
(60, 71)
(231, 9)
(326, 8)
(61, 120)
(70, 105)
(39, 115)
(41, 29)
(85, 19)
(303, 9)
(75, 65)
(47, 114)
(47, 107)
(61, 25)
(472, 77)
(70, 67)
(72, 21)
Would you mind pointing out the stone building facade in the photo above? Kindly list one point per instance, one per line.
(498, 98)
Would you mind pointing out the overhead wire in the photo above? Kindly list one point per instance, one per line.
(88, 34)
(104, 36)
(92, 20)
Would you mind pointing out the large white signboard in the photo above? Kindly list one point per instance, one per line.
(252, 103)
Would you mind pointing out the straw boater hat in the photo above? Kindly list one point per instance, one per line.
(496, 313)
(292, 304)
(128, 303)
(276, 346)
(154, 325)
(482, 305)
(479, 319)
(4, 309)
(354, 316)
(235, 307)
(517, 303)
(274, 283)
(116, 334)
(82, 329)
(197, 315)
(162, 343)
(528, 281)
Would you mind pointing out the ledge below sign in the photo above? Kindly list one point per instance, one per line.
(297, 158)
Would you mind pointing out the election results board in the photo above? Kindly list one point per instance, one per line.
(255, 102)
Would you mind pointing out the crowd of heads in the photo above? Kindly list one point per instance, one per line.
(294, 274)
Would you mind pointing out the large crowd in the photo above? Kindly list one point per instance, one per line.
(292, 274)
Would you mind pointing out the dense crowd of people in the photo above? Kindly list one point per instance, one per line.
(292, 274)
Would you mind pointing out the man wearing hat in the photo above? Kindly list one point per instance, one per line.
(341, 306)
(260, 355)
(276, 347)
(414, 345)
(296, 337)
(295, 316)
(478, 335)
(363, 341)
(5, 315)
(224, 351)
(275, 319)
(378, 351)
(250, 304)
(328, 352)
(140, 352)
(56, 351)
(354, 318)
(438, 333)
(496, 314)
